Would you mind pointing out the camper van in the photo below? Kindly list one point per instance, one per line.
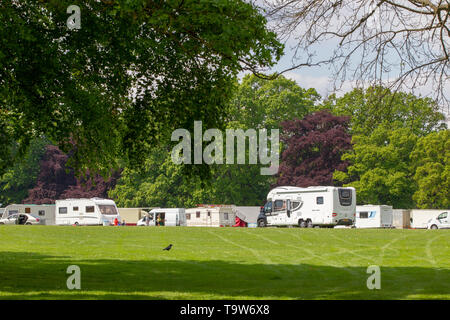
(94, 211)
(43, 213)
(164, 217)
(309, 207)
(374, 216)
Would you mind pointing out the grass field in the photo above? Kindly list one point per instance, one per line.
(222, 263)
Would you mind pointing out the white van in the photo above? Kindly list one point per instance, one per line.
(164, 217)
(86, 212)
(309, 207)
(374, 216)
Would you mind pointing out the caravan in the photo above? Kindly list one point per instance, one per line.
(94, 211)
(309, 207)
(41, 213)
(374, 216)
(164, 217)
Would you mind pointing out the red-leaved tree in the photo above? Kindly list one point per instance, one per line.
(312, 149)
(57, 181)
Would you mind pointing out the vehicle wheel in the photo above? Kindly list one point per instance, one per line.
(76, 224)
(1, 223)
(301, 223)
(28, 223)
(317, 227)
(434, 227)
(309, 224)
(261, 223)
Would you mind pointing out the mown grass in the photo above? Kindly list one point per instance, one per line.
(222, 263)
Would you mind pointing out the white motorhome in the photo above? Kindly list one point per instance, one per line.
(309, 207)
(374, 216)
(45, 213)
(94, 211)
(170, 217)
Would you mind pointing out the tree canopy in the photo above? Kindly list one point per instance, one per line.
(133, 72)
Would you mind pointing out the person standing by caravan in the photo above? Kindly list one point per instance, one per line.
(158, 219)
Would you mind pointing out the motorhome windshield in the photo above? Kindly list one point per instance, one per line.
(107, 209)
(345, 197)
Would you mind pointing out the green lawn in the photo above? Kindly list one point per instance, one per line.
(222, 263)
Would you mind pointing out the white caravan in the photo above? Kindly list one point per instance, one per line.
(45, 213)
(309, 207)
(374, 216)
(94, 211)
(164, 217)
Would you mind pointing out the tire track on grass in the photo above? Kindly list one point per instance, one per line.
(313, 254)
(266, 261)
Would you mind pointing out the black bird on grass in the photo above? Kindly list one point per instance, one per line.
(168, 248)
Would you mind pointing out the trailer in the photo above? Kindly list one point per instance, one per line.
(210, 216)
(169, 217)
(94, 211)
(131, 216)
(44, 212)
(321, 206)
(374, 216)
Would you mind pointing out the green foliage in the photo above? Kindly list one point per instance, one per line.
(431, 160)
(256, 104)
(380, 167)
(377, 106)
(134, 72)
(22, 176)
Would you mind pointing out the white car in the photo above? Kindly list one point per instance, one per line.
(441, 222)
(25, 218)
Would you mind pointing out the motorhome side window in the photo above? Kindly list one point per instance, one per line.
(345, 197)
(90, 209)
(364, 215)
(279, 205)
(62, 210)
(296, 205)
(319, 200)
(41, 212)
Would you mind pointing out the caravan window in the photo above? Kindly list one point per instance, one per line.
(319, 200)
(225, 215)
(75, 208)
(27, 210)
(41, 212)
(62, 210)
(188, 216)
(197, 214)
(279, 205)
(364, 215)
(90, 209)
(107, 209)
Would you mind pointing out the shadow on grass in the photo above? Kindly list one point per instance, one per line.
(26, 275)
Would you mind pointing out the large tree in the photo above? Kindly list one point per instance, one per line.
(56, 180)
(431, 162)
(256, 104)
(401, 43)
(313, 149)
(380, 167)
(377, 106)
(133, 72)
